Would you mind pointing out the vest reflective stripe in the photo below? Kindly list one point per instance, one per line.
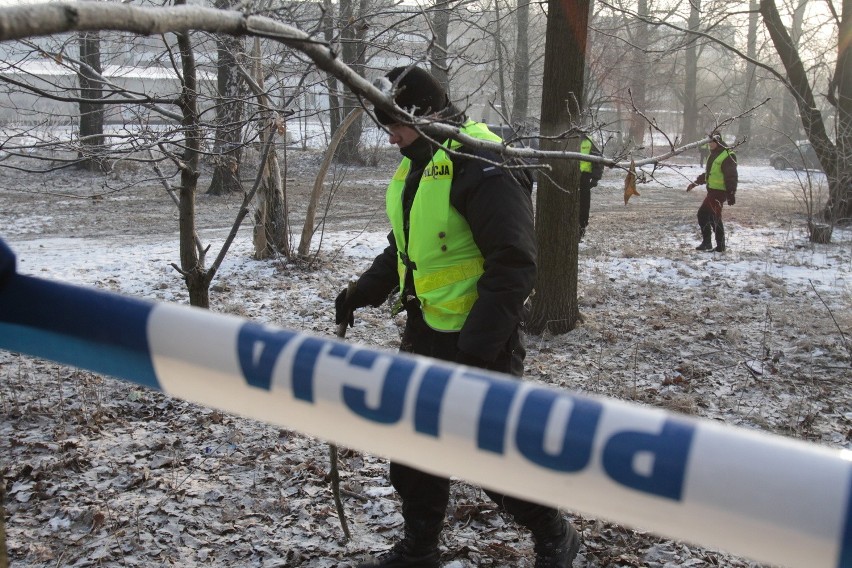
(585, 148)
(715, 177)
(447, 263)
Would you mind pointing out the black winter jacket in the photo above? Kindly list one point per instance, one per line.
(499, 212)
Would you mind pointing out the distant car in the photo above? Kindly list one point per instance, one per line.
(524, 139)
(800, 157)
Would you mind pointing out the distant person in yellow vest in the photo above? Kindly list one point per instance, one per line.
(590, 175)
(720, 175)
(467, 226)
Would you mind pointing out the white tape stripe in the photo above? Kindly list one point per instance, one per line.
(770, 498)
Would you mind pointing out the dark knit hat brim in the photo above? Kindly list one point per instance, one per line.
(416, 91)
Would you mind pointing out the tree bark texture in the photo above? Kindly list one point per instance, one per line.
(334, 109)
(91, 111)
(353, 28)
(639, 78)
(191, 259)
(497, 36)
(438, 64)
(271, 218)
(521, 74)
(555, 308)
(227, 149)
(744, 132)
(789, 125)
(690, 80)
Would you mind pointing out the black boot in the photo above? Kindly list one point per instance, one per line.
(720, 238)
(413, 551)
(706, 239)
(559, 549)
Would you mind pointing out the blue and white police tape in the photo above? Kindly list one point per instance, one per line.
(773, 499)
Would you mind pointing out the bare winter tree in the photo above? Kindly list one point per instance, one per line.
(835, 157)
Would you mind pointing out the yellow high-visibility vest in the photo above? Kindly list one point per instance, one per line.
(715, 177)
(445, 262)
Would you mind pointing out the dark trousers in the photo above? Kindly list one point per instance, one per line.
(424, 496)
(710, 216)
(584, 201)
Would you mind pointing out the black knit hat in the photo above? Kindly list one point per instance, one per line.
(416, 91)
(717, 138)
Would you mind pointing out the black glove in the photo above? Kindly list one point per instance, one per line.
(344, 308)
(464, 358)
(732, 199)
(691, 186)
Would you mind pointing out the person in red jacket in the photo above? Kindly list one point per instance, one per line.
(720, 175)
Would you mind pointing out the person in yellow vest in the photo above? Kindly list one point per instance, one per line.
(462, 251)
(720, 175)
(590, 175)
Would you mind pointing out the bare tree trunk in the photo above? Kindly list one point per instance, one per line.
(789, 123)
(639, 78)
(521, 76)
(310, 214)
(555, 306)
(191, 259)
(690, 87)
(438, 48)
(91, 112)
(227, 148)
(335, 117)
(498, 50)
(751, 69)
(271, 218)
(839, 206)
(353, 29)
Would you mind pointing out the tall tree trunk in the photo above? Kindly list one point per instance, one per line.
(839, 206)
(789, 123)
(498, 51)
(352, 31)
(555, 306)
(227, 149)
(639, 75)
(521, 75)
(690, 86)
(91, 112)
(750, 70)
(271, 217)
(334, 110)
(438, 64)
(191, 259)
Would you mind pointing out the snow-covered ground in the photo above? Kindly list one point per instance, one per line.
(103, 473)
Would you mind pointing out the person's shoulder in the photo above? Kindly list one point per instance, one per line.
(477, 163)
